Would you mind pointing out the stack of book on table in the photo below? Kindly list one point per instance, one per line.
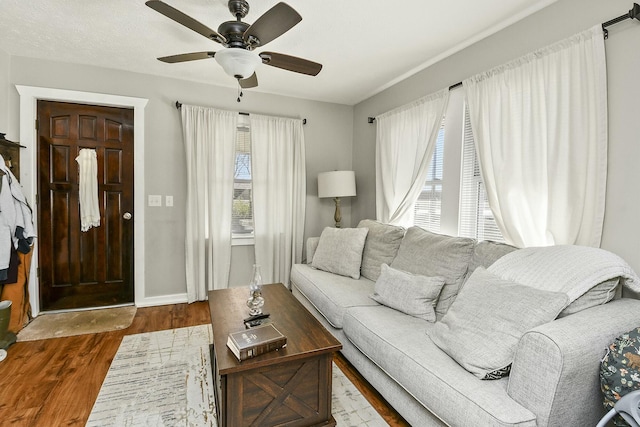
(255, 341)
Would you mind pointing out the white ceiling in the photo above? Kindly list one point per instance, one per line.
(364, 45)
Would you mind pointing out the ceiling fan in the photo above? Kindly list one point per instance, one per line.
(238, 59)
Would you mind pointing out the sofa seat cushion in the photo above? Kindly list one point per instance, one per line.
(330, 293)
(398, 345)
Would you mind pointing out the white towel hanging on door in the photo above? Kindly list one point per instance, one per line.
(88, 185)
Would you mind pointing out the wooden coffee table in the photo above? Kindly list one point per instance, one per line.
(288, 387)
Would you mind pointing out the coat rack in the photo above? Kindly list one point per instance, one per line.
(10, 151)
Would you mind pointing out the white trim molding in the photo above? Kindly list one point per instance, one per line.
(29, 96)
(162, 300)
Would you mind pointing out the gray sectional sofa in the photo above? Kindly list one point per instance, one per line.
(554, 364)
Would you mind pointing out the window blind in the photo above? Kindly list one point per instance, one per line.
(427, 209)
(242, 214)
(476, 219)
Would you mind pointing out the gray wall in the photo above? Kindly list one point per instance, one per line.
(328, 134)
(5, 60)
(558, 21)
(336, 134)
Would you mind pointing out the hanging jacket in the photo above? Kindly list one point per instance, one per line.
(15, 214)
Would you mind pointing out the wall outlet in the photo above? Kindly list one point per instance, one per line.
(168, 200)
(155, 200)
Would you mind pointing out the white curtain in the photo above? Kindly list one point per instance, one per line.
(540, 126)
(406, 138)
(279, 194)
(209, 140)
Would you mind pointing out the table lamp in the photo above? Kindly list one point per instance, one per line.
(337, 184)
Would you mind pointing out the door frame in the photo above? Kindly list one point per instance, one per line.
(29, 96)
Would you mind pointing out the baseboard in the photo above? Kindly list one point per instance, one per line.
(162, 300)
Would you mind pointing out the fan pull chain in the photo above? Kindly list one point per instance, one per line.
(239, 92)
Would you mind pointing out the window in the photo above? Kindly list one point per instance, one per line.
(476, 218)
(242, 215)
(428, 207)
(453, 200)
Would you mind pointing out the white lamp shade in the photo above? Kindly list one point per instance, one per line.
(337, 184)
(237, 62)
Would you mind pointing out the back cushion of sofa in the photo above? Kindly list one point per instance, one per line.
(430, 254)
(486, 253)
(381, 246)
(312, 245)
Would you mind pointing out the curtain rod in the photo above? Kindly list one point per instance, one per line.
(373, 119)
(179, 105)
(633, 13)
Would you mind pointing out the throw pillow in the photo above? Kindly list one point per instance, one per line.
(339, 251)
(409, 293)
(380, 247)
(489, 316)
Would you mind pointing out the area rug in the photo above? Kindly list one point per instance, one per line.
(57, 325)
(164, 379)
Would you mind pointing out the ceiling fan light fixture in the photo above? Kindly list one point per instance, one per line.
(239, 39)
(238, 63)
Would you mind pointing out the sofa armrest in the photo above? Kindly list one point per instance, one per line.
(312, 245)
(555, 372)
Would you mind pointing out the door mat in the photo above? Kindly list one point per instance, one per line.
(58, 325)
(164, 378)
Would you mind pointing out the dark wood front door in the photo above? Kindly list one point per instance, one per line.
(93, 268)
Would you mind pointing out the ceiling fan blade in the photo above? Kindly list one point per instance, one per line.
(183, 57)
(186, 20)
(291, 63)
(249, 82)
(272, 24)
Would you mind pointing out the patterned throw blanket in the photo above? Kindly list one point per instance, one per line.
(569, 269)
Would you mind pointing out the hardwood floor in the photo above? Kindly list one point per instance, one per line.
(55, 382)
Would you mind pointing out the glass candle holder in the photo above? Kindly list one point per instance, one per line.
(255, 301)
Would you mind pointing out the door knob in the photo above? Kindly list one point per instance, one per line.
(127, 216)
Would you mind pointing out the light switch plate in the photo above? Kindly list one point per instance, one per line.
(168, 200)
(155, 200)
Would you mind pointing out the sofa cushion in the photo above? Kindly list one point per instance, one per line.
(380, 247)
(600, 294)
(489, 316)
(331, 294)
(485, 253)
(312, 245)
(572, 269)
(398, 345)
(411, 294)
(339, 251)
(430, 254)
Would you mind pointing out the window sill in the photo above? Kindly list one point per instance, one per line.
(239, 240)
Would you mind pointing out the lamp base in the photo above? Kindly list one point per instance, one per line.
(337, 217)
